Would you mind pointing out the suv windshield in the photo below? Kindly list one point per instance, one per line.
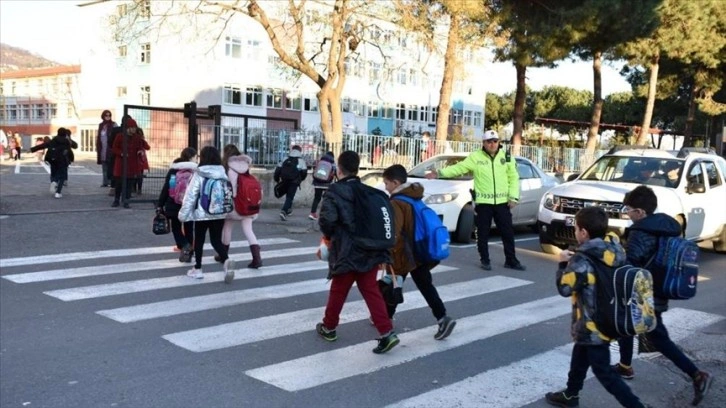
(638, 169)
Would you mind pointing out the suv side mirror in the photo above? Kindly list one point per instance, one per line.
(696, 188)
(572, 176)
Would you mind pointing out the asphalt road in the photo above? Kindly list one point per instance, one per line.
(95, 311)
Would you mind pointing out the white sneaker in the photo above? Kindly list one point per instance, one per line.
(195, 273)
(58, 195)
(228, 271)
(53, 187)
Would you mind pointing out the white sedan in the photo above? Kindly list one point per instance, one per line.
(451, 198)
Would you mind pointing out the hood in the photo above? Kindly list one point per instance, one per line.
(658, 224)
(212, 171)
(328, 158)
(607, 250)
(240, 163)
(178, 165)
(413, 190)
(295, 153)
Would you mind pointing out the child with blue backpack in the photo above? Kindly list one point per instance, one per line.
(641, 247)
(403, 255)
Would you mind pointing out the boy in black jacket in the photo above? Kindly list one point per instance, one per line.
(59, 156)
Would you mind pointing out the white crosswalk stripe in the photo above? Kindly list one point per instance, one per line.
(291, 273)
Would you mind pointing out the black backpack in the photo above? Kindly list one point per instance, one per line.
(289, 170)
(374, 225)
(57, 154)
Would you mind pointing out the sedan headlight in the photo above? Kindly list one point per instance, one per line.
(550, 202)
(440, 198)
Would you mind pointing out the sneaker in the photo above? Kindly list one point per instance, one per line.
(53, 187)
(289, 212)
(487, 266)
(313, 216)
(446, 326)
(386, 343)
(516, 266)
(58, 195)
(195, 273)
(283, 216)
(561, 399)
(228, 271)
(624, 371)
(701, 383)
(328, 335)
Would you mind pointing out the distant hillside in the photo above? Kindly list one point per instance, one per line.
(13, 59)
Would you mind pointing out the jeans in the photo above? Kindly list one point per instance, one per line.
(662, 342)
(598, 357)
(215, 238)
(289, 196)
(368, 286)
(502, 216)
(106, 173)
(424, 283)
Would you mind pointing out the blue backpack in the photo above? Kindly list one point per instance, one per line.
(216, 196)
(430, 236)
(677, 259)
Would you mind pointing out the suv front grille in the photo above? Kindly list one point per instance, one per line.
(573, 205)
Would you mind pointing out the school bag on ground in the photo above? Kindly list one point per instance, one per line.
(373, 218)
(216, 196)
(675, 266)
(181, 180)
(323, 171)
(624, 300)
(249, 195)
(430, 236)
(289, 170)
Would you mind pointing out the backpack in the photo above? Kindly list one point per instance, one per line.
(624, 300)
(677, 258)
(249, 195)
(323, 171)
(216, 196)
(430, 236)
(57, 154)
(289, 170)
(181, 180)
(373, 219)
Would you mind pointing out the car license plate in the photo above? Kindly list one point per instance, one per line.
(570, 221)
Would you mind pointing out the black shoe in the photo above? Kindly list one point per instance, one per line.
(487, 266)
(386, 343)
(328, 335)
(560, 399)
(701, 384)
(445, 328)
(126, 205)
(115, 204)
(517, 266)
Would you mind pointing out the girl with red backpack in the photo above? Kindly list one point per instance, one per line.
(171, 198)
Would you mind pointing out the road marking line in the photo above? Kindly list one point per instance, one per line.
(322, 368)
(269, 327)
(77, 256)
(527, 380)
(144, 266)
(17, 167)
(218, 300)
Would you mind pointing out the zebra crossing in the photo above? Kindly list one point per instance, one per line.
(298, 275)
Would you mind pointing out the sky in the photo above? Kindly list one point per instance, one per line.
(53, 30)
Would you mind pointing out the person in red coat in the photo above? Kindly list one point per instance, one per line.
(134, 144)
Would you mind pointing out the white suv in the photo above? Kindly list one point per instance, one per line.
(690, 186)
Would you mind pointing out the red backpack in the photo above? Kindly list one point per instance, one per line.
(181, 181)
(249, 195)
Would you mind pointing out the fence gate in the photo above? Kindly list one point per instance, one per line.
(169, 130)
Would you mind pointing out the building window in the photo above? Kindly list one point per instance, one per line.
(413, 112)
(253, 96)
(69, 110)
(455, 117)
(144, 8)
(146, 53)
(413, 77)
(38, 111)
(374, 73)
(477, 119)
(388, 111)
(12, 112)
(357, 107)
(12, 88)
(293, 101)
(400, 111)
(374, 110)
(2, 88)
(146, 95)
(121, 91)
(467, 118)
(232, 95)
(233, 47)
(122, 51)
(346, 105)
(434, 113)
(253, 50)
(424, 117)
(274, 98)
(53, 111)
(401, 76)
(2, 114)
(24, 112)
(310, 104)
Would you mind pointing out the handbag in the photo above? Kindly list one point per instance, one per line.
(280, 189)
(161, 224)
(391, 289)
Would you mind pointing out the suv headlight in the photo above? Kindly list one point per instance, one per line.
(550, 202)
(440, 198)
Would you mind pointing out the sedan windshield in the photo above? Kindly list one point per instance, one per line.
(641, 170)
(437, 163)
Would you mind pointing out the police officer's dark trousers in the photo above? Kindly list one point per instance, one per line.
(503, 219)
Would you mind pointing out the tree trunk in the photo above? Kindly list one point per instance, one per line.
(688, 132)
(336, 115)
(650, 103)
(447, 84)
(596, 103)
(324, 108)
(519, 100)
